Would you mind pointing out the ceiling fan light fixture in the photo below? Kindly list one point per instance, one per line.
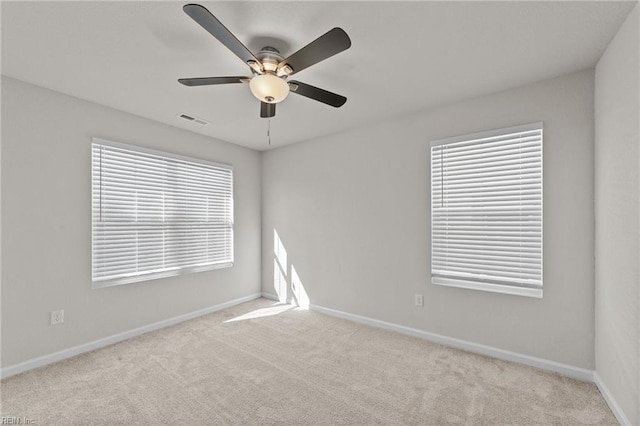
(269, 88)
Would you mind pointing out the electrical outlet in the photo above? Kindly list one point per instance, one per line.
(57, 317)
(419, 301)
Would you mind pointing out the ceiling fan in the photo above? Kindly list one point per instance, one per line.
(269, 69)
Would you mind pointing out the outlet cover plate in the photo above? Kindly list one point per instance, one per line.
(57, 317)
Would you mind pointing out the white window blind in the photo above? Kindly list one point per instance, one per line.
(156, 214)
(486, 211)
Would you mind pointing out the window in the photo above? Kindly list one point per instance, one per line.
(486, 211)
(156, 214)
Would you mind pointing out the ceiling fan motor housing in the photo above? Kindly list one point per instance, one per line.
(270, 58)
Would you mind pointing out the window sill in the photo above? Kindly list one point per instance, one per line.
(156, 275)
(493, 288)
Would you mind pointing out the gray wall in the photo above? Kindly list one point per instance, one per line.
(352, 212)
(46, 225)
(617, 188)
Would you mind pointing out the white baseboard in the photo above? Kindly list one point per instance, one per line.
(96, 344)
(270, 296)
(613, 404)
(564, 369)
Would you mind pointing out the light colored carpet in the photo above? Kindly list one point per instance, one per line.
(265, 363)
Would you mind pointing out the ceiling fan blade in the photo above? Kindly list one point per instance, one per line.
(267, 110)
(206, 81)
(325, 46)
(202, 16)
(317, 94)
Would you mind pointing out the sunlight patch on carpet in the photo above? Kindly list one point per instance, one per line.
(263, 312)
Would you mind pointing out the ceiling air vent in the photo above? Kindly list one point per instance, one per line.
(192, 119)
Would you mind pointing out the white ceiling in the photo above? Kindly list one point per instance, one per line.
(405, 56)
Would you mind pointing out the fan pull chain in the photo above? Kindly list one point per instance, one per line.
(269, 130)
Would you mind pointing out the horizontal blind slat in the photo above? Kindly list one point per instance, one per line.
(485, 273)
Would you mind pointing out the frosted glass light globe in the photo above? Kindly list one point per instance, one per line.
(269, 88)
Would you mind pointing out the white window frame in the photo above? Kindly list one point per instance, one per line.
(477, 282)
(98, 281)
